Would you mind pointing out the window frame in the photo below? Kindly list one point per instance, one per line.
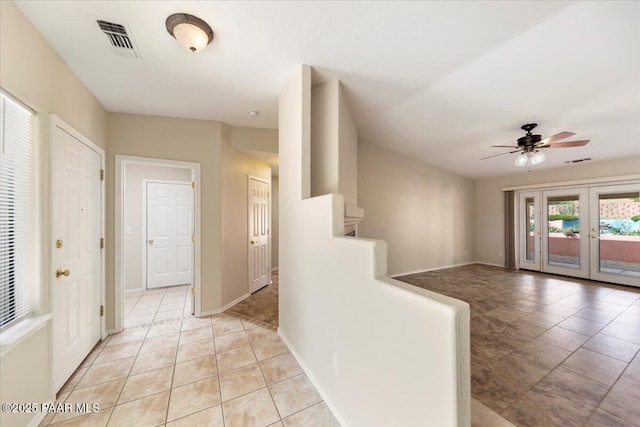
(23, 325)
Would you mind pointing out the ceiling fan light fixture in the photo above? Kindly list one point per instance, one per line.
(191, 32)
(537, 157)
(522, 159)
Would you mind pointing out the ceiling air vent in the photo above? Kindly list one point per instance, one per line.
(119, 39)
(586, 159)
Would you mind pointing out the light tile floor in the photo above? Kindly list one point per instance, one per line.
(144, 307)
(223, 370)
(214, 371)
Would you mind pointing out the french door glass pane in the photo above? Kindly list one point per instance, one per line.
(619, 228)
(530, 255)
(563, 214)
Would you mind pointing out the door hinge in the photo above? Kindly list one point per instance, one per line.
(102, 310)
(193, 184)
(193, 291)
(101, 174)
(102, 243)
(193, 237)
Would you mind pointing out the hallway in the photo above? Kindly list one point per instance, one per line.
(221, 370)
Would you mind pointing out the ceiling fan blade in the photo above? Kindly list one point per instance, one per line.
(567, 144)
(505, 146)
(556, 137)
(501, 154)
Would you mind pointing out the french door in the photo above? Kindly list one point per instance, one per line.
(588, 232)
(615, 233)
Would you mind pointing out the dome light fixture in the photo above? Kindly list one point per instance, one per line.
(191, 32)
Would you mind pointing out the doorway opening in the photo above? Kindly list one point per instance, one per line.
(157, 245)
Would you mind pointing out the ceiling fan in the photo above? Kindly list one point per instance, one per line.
(529, 146)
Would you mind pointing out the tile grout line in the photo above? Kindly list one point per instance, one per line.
(175, 364)
(215, 350)
(263, 376)
(127, 377)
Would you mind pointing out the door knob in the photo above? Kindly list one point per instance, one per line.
(252, 242)
(593, 236)
(60, 272)
(150, 241)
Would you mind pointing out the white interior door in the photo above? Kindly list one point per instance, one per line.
(259, 265)
(615, 233)
(530, 230)
(169, 234)
(77, 259)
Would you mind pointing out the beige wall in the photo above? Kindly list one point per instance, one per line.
(196, 141)
(323, 276)
(324, 138)
(255, 139)
(31, 71)
(275, 220)
(426, 214)
(334, 143)
(490, 202)
(133, 212)
(236, 167)
(347, 151)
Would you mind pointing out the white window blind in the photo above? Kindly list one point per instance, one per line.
(18, 297)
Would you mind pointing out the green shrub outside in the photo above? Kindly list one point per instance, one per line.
(563, 217)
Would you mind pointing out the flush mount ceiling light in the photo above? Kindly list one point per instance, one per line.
(190, 31)
(253, 113)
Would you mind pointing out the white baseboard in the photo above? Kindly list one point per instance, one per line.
(130, 291)
(35, 421)
(491, 264)
(225, 308)
(111, 331)
(406, 273)
(316, 384)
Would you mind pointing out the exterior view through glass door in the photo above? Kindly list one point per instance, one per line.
(615, 233)
(589, 232)
(565, 245)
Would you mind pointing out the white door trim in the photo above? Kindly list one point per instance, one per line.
(522, 224)
(145, 181)
(268, 182)
(121, 162)
(57, 122)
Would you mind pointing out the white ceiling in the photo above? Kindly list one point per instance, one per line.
(439, 81)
